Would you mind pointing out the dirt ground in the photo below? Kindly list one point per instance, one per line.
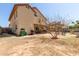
(39, 45)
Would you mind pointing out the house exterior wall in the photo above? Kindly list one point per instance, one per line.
(41, 18)
(13, 23)
(25, 19)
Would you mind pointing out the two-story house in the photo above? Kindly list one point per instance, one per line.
(27, 17)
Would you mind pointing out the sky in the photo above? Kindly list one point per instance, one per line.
(69, 12)
(5, 10)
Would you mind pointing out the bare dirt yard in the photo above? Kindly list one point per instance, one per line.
(39, 45)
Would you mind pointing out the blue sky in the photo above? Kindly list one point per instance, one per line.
(5, 10)
(70, 12)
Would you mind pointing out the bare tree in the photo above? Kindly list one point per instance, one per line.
(54, 27)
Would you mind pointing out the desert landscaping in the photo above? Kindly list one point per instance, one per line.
(40, 45)
(30, 33)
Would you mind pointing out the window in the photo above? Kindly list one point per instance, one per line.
(15, 26)
(16, 13)
(39, 20)
(14, 16)
(27, 6)
(35, 15)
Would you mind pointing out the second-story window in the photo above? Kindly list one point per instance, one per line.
(15, 15)
(39, 20)
(35, 15)
(27, 6)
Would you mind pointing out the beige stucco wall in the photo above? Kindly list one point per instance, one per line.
(13, 23)
(25, 19)
(41, 17)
